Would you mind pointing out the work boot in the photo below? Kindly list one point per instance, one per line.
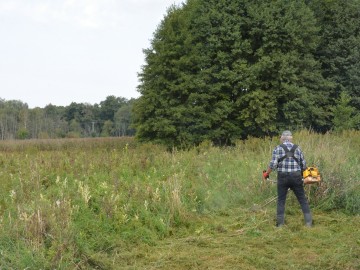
(280, 220)
(308, 220)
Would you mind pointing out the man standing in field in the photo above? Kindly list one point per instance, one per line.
(289, 161)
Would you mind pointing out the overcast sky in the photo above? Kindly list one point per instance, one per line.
(62, 51)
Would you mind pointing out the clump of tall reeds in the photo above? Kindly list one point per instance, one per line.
(336, 155)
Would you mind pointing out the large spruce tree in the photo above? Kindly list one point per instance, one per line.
(339, 49)
(221, 70)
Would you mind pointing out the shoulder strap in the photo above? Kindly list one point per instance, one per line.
(289, 153)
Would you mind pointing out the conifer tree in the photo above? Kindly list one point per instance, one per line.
(221, 70)
(339, 49)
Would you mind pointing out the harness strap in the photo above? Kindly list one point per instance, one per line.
(289, 153)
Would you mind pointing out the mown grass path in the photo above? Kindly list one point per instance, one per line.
(241, 239)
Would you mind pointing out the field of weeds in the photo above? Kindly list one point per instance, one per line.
(112, 203)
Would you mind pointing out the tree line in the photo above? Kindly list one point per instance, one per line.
(222, 70)
(111, 117)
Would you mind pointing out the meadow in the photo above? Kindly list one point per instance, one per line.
(113, 203)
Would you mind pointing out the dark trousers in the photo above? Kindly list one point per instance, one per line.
(294, 182)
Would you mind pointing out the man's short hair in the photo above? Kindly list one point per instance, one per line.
(286, 133)
(286, 136)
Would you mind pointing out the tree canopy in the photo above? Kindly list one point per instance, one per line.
(222, 70)
(112, 117)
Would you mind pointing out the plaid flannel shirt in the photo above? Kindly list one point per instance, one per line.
(288, 164)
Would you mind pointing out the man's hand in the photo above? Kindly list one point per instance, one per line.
(265, 175)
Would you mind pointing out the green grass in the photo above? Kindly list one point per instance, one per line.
(242, 240)
(115, 204)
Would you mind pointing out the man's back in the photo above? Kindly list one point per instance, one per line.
(282, 163)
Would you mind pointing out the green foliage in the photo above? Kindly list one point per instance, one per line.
(224, 70)
(107, 128)
(339, 48)
(345, 116)
(17, 121)
(257, 112)
(109, 107)
(123, 120)
(23, 134)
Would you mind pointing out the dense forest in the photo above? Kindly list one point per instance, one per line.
(112, 117)
(220, 70)
(223, 70)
